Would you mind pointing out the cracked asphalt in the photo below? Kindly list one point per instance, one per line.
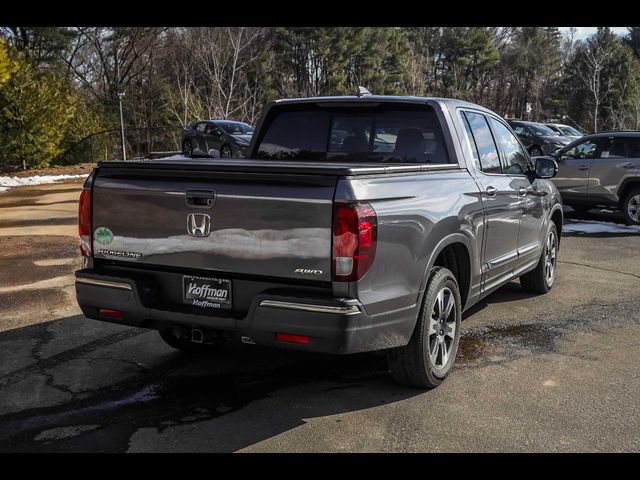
(559, 372)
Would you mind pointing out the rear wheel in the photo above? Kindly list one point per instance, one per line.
(541, 279)
(225, 152)
(631, 207)
(175, 338)
(535, 151)
(430, 354)
(187, 148)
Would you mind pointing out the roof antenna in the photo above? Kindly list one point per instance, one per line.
(362, 92)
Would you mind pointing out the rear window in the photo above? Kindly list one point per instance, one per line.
(365, 134)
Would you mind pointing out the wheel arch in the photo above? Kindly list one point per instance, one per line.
(455, 253)
(627, 185)
(557, 217)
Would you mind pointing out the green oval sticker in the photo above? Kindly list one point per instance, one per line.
(103, 236)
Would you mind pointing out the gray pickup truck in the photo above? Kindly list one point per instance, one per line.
(357, 223)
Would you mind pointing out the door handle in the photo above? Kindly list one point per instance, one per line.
(583, 167)
(491, 191)
(522, 191)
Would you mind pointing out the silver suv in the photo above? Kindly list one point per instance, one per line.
(602, 170)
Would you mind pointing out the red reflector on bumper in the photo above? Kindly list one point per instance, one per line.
(286, 337)
(105, 312)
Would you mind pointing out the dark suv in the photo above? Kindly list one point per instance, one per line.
(216, 138)
(602, 169)
(537, 138)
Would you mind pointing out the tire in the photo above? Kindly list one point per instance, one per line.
(536, 151)
(415, 364)
(226, 152)
(541, 279)
(631, 207)
(175, 339)
(187, 148)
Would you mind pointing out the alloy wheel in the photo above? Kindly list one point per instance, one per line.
(225, 152)
(550, 258)
(442, 328)
(633, 208)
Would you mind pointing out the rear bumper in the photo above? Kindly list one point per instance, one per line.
(333, 325)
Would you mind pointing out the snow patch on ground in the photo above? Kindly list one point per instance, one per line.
(592, 226)
(173, 157)
(6, 182)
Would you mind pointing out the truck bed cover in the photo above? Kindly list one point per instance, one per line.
(275, 167)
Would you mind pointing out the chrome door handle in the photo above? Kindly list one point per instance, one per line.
(522, 191)
(583, 167)
(491, 191)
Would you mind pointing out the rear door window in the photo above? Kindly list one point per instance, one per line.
(621, 147)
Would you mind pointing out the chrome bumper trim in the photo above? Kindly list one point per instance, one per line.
(305, 307)
(103, 283)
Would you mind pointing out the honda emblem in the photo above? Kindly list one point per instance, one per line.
(198, 224)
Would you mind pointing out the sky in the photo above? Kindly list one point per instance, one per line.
(584, 32)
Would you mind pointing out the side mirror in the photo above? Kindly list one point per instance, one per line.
(545, 167)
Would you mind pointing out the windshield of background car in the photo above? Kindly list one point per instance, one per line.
(236, 128)
(542, 130)
(380, 133)
(570, 131)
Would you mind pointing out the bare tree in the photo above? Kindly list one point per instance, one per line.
(223, 56)
(415, 71)
(106, 60)
(181, 101)
(596, 57)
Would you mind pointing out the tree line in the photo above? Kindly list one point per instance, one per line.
(59, 85)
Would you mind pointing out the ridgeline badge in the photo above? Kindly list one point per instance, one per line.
(103, 236)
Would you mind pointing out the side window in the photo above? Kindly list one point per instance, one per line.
(520, 130)
(634, 147)
(621, 147)
(516, 160)
(486, 147)
(470, 140)
(200, 127)
(586, 149)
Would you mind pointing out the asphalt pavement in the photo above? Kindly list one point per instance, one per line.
(559, 372)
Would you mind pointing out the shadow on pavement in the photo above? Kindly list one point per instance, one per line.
(511, 292)
(101, 387)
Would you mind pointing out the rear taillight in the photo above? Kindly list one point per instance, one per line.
(287, 337)
(107, 312)
(84, 222)
(355, 229)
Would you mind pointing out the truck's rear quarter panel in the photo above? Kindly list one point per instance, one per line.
(415, 214)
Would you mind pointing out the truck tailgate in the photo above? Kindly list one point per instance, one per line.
(266, 224)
